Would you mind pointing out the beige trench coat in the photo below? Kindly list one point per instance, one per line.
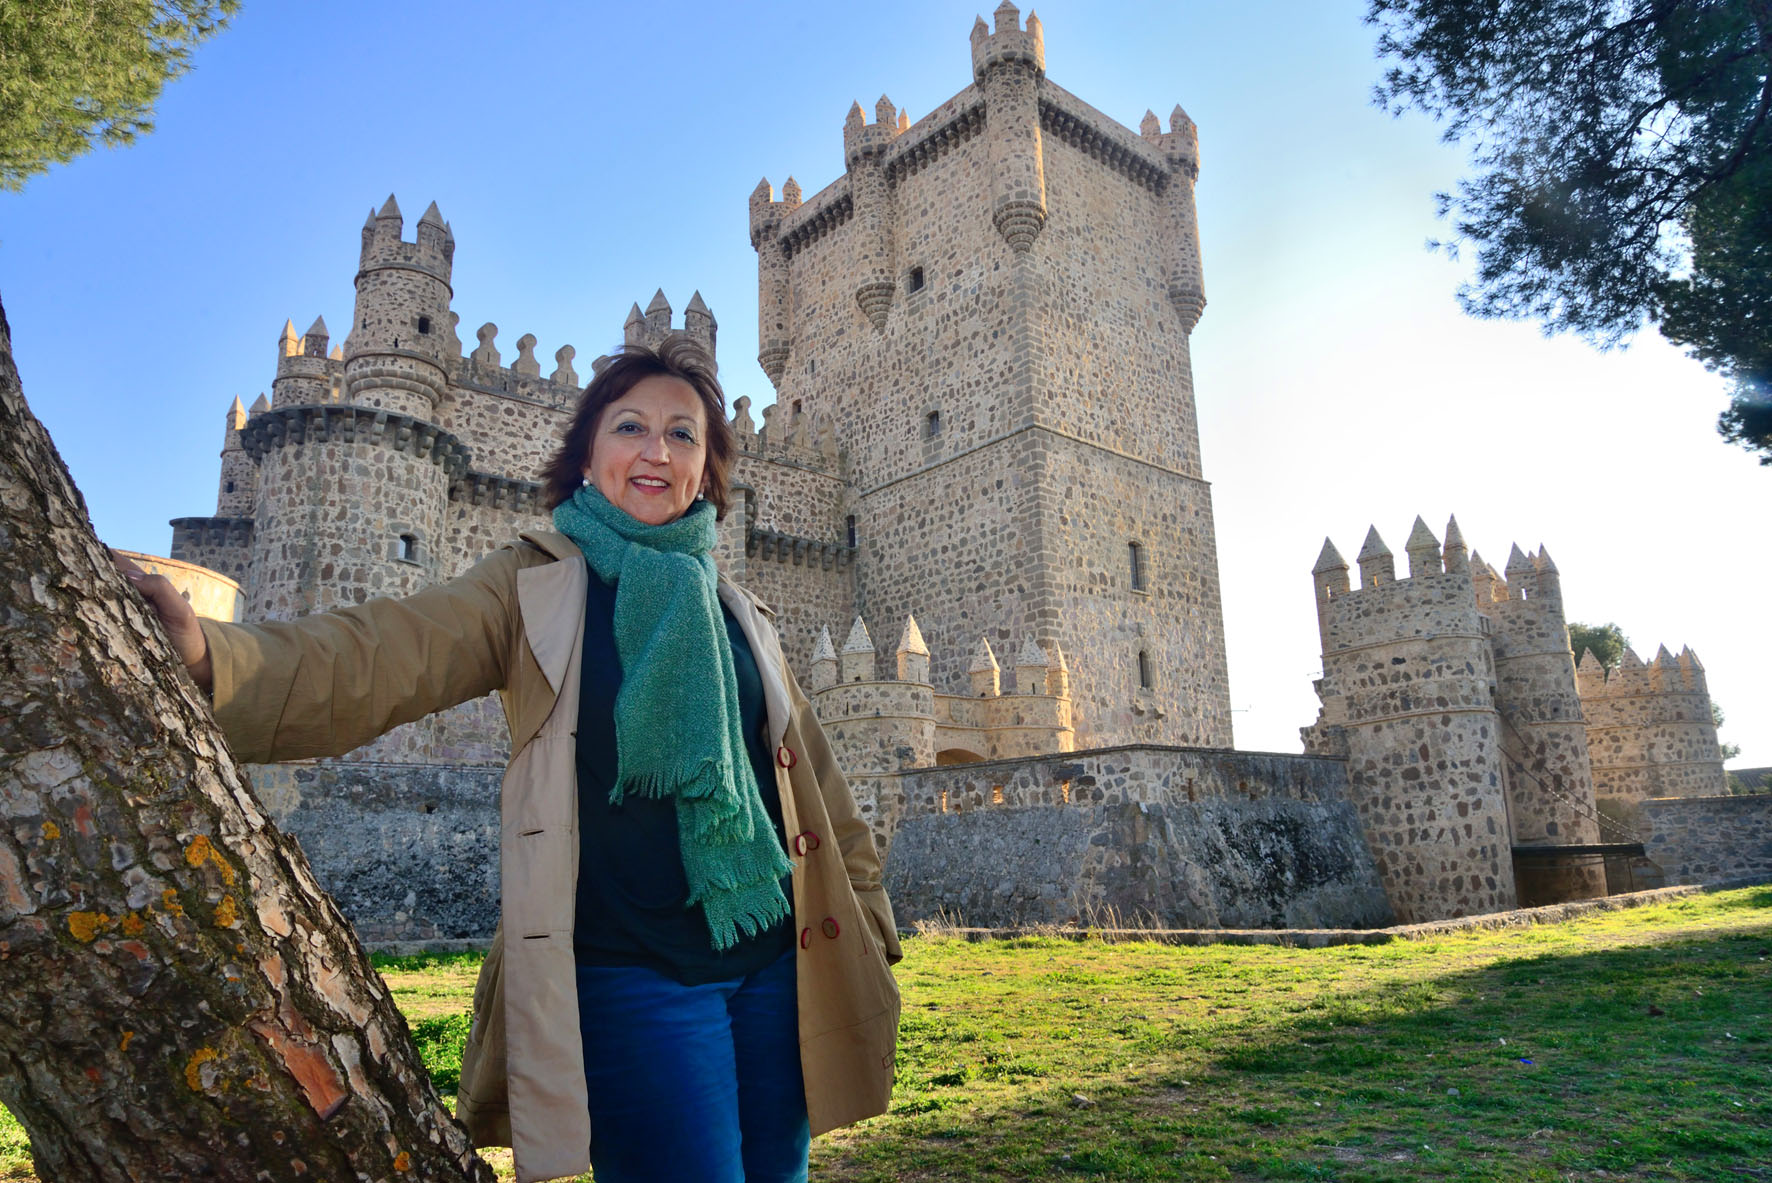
(325, 684)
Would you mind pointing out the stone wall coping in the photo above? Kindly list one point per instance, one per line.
(1088, 753)
(1712, 800)
(1322, 938)
(1301, 938)
(197, 568)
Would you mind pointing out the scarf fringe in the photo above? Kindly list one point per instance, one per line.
(754, 913)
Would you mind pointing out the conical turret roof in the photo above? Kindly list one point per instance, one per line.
(1421, 538)
(911, 639)
(1329, 560)
(859, 641)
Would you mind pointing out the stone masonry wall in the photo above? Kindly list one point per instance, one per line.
(1544, 735)
(1709, 839)
(223, 545)
(1093, 506)
(410, 852)
(511, 423)
(1167, 836)
(1649, 732)
(1410, 661)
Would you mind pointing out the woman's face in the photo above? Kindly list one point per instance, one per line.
(649, 451)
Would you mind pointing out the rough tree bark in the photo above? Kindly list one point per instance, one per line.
(178, 998)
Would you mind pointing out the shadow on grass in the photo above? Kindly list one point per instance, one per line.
(1645, 1063)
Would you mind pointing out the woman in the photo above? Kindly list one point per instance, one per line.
(690, 973)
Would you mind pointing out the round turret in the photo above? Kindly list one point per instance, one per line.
(397, 351)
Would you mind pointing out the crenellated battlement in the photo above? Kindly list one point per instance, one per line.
(1142, 158)
(654, 327)
(432, 251)
(1008, 43)
(294, 426)
(803, 440)
(884, 723)
(863, 140)
(1666, 675)
(1651, 730)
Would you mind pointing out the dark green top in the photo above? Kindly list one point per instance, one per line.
(631, 888)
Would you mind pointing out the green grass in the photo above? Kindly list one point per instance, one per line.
(1628, 1045)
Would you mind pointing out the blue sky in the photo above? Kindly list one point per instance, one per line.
(587, 154)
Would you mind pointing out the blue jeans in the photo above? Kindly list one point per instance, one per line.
(694, 1083)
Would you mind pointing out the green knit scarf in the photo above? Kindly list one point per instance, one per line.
(677, 728)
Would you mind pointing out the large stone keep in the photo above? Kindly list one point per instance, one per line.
(993, 306)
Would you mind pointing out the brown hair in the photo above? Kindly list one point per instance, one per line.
(677, 357)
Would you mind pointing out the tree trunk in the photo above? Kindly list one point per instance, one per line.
(178, 998)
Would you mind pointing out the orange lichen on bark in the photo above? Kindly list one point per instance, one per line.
(319, 1081)
(51, 830)
(132, 925)
(194, 1067)
(201, 851)
(87, 925)
(402, 1161)
(169, 901)
(226, 915)
(123, 1045)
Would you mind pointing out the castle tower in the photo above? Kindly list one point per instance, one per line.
(1008, 63)
(1407, 695)
(304, 373)
(395, 353)
(239, 480)
(652, 327)
(351, 494)
(1543, 734)
(1649, 733)
(992, 305)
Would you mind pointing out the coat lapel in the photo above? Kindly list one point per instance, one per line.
(766, 648)
(552, 599)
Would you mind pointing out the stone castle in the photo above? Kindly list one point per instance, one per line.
(1470, 740)
(983, 442)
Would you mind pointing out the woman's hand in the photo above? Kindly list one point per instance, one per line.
(176, 617)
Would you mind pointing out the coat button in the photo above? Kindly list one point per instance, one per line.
(805, 842)
(785, 757)
(829, 927)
